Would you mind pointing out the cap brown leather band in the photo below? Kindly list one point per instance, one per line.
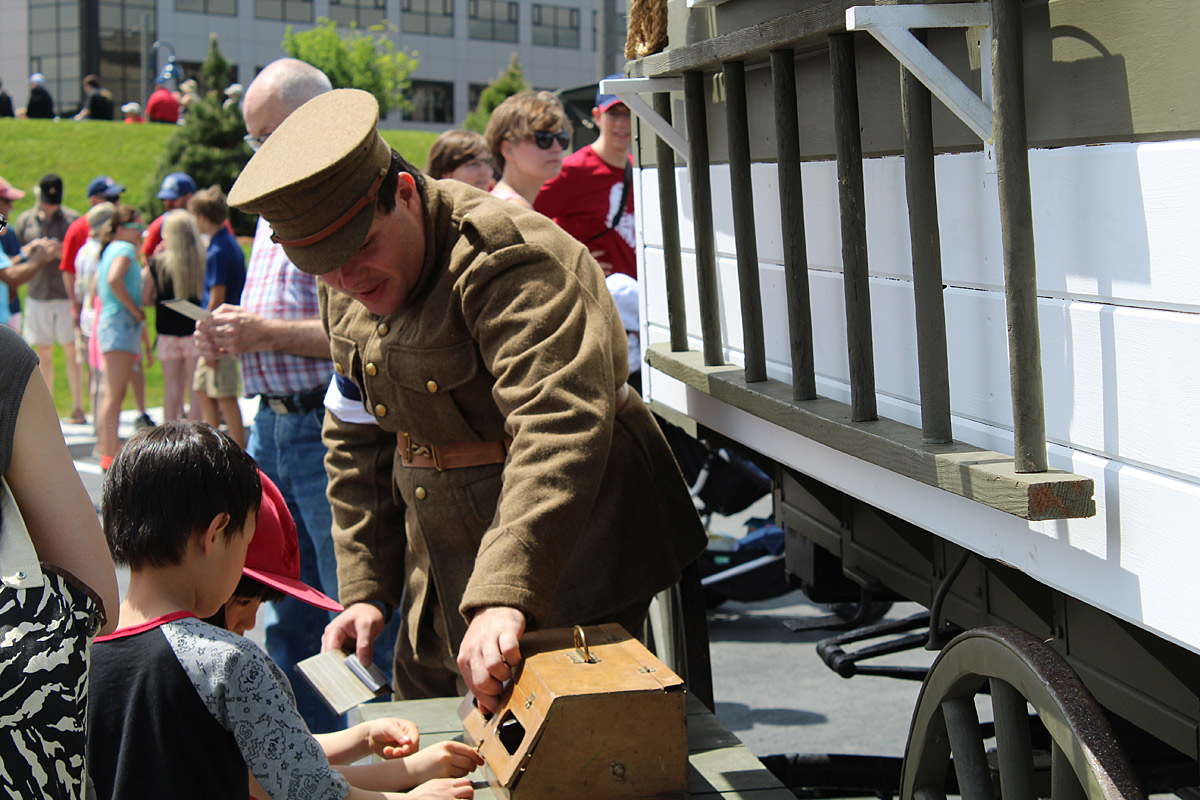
(457, 455)
(338, 223)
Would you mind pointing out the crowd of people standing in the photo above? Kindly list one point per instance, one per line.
(445, 408)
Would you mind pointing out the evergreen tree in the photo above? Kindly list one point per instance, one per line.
(357, 59)
(511, 81)
(208, 146)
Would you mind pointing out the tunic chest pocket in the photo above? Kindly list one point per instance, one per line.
(430, 379)
(346, 360)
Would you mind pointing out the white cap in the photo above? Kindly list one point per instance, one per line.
(37, 79)
(624, 290)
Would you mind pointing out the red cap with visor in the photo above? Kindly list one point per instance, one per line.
(273, 557)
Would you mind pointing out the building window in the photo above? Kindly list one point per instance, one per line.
(118, 47)
(284, 10)
(430, 17)
(55, 50)
(363, 13)
(433, 101)
(474, 92)
(556, 26)
(208, 6)
(494, 20)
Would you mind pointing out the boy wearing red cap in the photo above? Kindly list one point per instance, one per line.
(180, 508)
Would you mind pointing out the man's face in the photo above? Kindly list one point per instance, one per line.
(6, 206)
(388, 263)
(615, 125)
(178, 202)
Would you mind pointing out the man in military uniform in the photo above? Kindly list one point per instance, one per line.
(510, 478)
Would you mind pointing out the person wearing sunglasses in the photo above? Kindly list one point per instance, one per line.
(528, 135)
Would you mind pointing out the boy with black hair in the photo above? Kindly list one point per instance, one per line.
(272, 572)
(180, 708)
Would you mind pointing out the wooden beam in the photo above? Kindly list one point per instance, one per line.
(1016, 233)
(791, 214)
(669, 212)
(742, 191)
(925, 242)
(750, 44)
(702, 217)
(984, 476)
(853, 215)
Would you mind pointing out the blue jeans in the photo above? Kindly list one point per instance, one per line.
(288, 448)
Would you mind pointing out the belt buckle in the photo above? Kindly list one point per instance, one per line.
(279, 405)
(411, 449)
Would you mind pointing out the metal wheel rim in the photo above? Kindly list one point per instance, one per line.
(1085, 745)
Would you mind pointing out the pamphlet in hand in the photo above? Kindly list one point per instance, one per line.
(188, 309)
(342, 681)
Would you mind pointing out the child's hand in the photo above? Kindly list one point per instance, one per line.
(448, 759)
(444, 789)
(391, 737)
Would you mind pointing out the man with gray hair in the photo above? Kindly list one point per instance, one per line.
(277, 335)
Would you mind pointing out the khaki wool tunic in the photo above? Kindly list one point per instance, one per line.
(509, 332)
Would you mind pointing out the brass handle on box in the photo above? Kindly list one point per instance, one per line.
(581, 647)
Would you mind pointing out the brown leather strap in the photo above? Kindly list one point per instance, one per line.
(451, 456)
(457, 455)
(338, 223)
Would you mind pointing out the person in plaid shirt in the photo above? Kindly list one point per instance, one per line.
(284, 357)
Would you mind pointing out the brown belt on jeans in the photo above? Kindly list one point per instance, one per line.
(466, 454)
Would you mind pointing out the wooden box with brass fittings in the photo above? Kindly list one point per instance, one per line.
(590, 715)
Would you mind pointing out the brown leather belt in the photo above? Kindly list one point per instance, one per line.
(457, 455)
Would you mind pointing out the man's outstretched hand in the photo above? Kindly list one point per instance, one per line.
(490, 652)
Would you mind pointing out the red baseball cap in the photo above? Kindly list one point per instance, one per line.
(273, 557)
(9, 192)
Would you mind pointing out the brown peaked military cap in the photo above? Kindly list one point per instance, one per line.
(315, 179)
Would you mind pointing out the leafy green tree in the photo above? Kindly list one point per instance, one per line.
(357, 59)
(208, 146)
(509, 82)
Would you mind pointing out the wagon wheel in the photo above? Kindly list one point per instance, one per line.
(1084, 759)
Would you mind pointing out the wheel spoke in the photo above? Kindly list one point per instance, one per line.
(966, 744)
(1012, 742)
(929, 793)
(1064, 784)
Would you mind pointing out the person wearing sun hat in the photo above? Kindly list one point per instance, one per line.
(512, 479)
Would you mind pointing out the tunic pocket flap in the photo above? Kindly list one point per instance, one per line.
(433, 370)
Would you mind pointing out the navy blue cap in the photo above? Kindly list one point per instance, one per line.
(606, 101)
(104, 186)
(176, 185)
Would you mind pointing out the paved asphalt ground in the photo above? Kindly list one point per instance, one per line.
(771, 688)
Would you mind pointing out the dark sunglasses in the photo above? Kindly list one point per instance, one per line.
(545, 140)
(3, 223)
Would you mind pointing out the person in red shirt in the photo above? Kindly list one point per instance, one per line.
(101, 189)
(592, 197)
(162, 105)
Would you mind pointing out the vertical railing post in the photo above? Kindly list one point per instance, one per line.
(702, 217)
(854, 227)
(1016, 229)
(742, 192)
(919, 182)
(669, 214)
(791, 213)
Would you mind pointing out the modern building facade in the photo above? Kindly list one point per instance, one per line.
(462, 45)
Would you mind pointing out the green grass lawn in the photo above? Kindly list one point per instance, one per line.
(79, 151)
